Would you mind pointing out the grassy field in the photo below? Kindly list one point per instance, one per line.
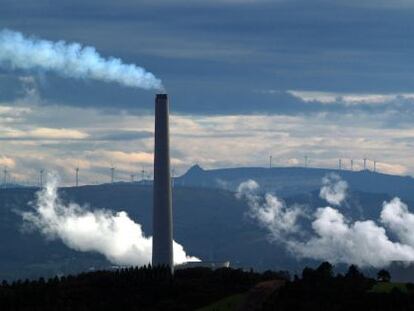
(226, 304)
(387, 287)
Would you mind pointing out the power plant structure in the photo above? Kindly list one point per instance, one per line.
(162, 241)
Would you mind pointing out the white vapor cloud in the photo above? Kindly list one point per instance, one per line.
(270, 212)
(333, 237)
(333, 189)
(339, 240)
(114, 235)
(70, 60)
(396, 216)
(348, 99)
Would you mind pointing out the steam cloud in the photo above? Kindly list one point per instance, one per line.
(333, 237)
(270, 212)
(70, 60)
(333, 189)
(114, 235)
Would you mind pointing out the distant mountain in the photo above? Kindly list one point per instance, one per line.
(285, 181)
(14, 185)
(210, 223)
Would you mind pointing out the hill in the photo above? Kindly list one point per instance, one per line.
(285, 181)
(210, 223)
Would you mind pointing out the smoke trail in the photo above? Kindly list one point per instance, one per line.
(333, 237)
(116, 236)
(333, 189)
(70, 60)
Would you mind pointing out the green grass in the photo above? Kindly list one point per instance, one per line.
(226, 304)
(387, 287)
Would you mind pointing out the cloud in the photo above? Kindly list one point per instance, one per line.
(44, 134)
(237, 140)
(338, 240)
(333, 237)
(35, 140)
(7, 161)
(270, 212)
(48, 133)
(333, 189)
(396, 216)
(121, 135)
(114, 235)
(349, 99)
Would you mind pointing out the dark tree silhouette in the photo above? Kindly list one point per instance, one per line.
(353, 273)
(383, 276)
(146, 288)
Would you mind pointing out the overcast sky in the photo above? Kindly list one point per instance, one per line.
(247, 79)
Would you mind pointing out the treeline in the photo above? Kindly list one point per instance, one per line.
(149, 288)
(144, 288)
(319, 289)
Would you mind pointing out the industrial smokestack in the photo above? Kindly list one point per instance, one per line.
(162, 243)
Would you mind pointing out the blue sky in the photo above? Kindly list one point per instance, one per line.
(246, 78)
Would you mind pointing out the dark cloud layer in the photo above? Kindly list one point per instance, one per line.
(215, 57)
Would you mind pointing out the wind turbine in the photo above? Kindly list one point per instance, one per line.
(5, 177)
(143, 176)
(352, 165)
(77, 176)
(112, 173)
(42, 171)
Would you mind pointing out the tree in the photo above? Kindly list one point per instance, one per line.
(325, 270)
(383, 276)
(353, 273)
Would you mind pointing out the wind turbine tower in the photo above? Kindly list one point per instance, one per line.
(270, 162)
(5, 177)
(77, 176)
(42, 171)
(143, 176)
(340, 164)
(112, 174)
(352, 165)
(375, 166)
(365, 164)
(306, 161)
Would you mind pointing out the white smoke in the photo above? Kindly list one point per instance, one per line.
(70, 60)
(114, 235)
(333, 189)
(270, 212)
(333, 237)
(337, 239)
(396, 216)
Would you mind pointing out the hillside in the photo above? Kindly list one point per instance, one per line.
(210, 223)
(286, 181)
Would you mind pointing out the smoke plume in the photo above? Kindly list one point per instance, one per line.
(70, 60)
(114, 235)
(332, 236)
